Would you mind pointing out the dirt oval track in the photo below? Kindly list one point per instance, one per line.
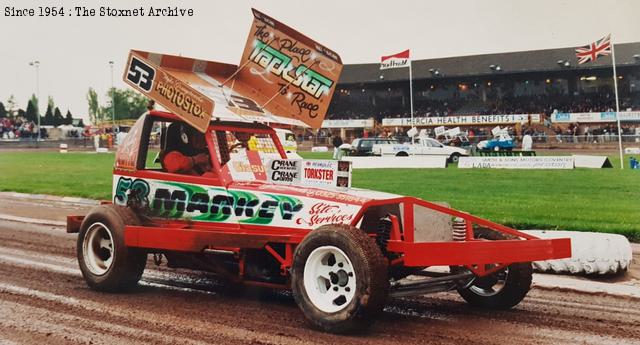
(43, 299)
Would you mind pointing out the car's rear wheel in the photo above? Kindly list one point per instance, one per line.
(503, 289)
(402, 154)
(105, 262)
(339, 278)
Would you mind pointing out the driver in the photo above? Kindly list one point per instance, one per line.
(186, 151)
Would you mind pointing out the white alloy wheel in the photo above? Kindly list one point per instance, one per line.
(329, 279)
(98, 249)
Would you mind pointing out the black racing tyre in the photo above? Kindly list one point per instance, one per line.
(105, 262)
(402, 154)
(339, 279)
(503, 289)
(454, 158)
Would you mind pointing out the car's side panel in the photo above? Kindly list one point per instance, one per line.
(236, 205)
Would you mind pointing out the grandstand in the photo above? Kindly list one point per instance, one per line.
(542, 82)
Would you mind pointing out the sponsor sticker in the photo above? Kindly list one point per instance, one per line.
(310, 173)
(285, 171)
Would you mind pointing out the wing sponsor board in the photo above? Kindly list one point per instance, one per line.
(284, 77)
(538, 162)
(462, 120)
(171, 92)
(175, 200)
(289, 73)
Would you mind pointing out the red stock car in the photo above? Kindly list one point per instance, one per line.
(343, 251)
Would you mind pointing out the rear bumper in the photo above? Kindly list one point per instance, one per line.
(479, 252)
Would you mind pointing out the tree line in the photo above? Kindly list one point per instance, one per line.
(128, 105)
(52, 116)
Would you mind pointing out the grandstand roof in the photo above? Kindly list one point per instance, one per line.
(478, 65)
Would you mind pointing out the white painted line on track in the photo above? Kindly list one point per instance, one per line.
(45, 197)
(32, 220)
(40, 265)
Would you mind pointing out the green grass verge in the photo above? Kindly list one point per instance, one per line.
(604, 200)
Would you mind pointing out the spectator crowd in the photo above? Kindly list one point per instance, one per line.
(343, 107)
(17, 128)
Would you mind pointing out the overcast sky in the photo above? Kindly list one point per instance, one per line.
(74, 51)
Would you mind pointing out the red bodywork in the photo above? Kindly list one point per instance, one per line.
(483, 257)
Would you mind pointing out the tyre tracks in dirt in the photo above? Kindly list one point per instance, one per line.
(43, 299)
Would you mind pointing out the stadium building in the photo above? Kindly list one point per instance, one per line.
(545, 89)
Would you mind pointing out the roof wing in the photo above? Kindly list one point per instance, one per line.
(288, 73)
(289, 79)
(163, 79)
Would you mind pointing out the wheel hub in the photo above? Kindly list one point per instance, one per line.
(98, 249)
(490, 285)
(329, 279)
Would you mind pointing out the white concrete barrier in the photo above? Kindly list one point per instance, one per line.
(319, 149)
(397, 162)
(597, 162)
(632, 150)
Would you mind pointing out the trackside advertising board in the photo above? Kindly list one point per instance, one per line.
(310, 173)
(466, 120)
(539, 162)
(606, 116)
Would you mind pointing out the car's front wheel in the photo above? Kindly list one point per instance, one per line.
(454, 158)
(339, 278)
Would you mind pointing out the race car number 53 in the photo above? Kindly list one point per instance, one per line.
(141, 74)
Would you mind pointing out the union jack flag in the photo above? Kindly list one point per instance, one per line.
(591, 52)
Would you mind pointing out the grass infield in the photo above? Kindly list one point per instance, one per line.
(603, 200)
